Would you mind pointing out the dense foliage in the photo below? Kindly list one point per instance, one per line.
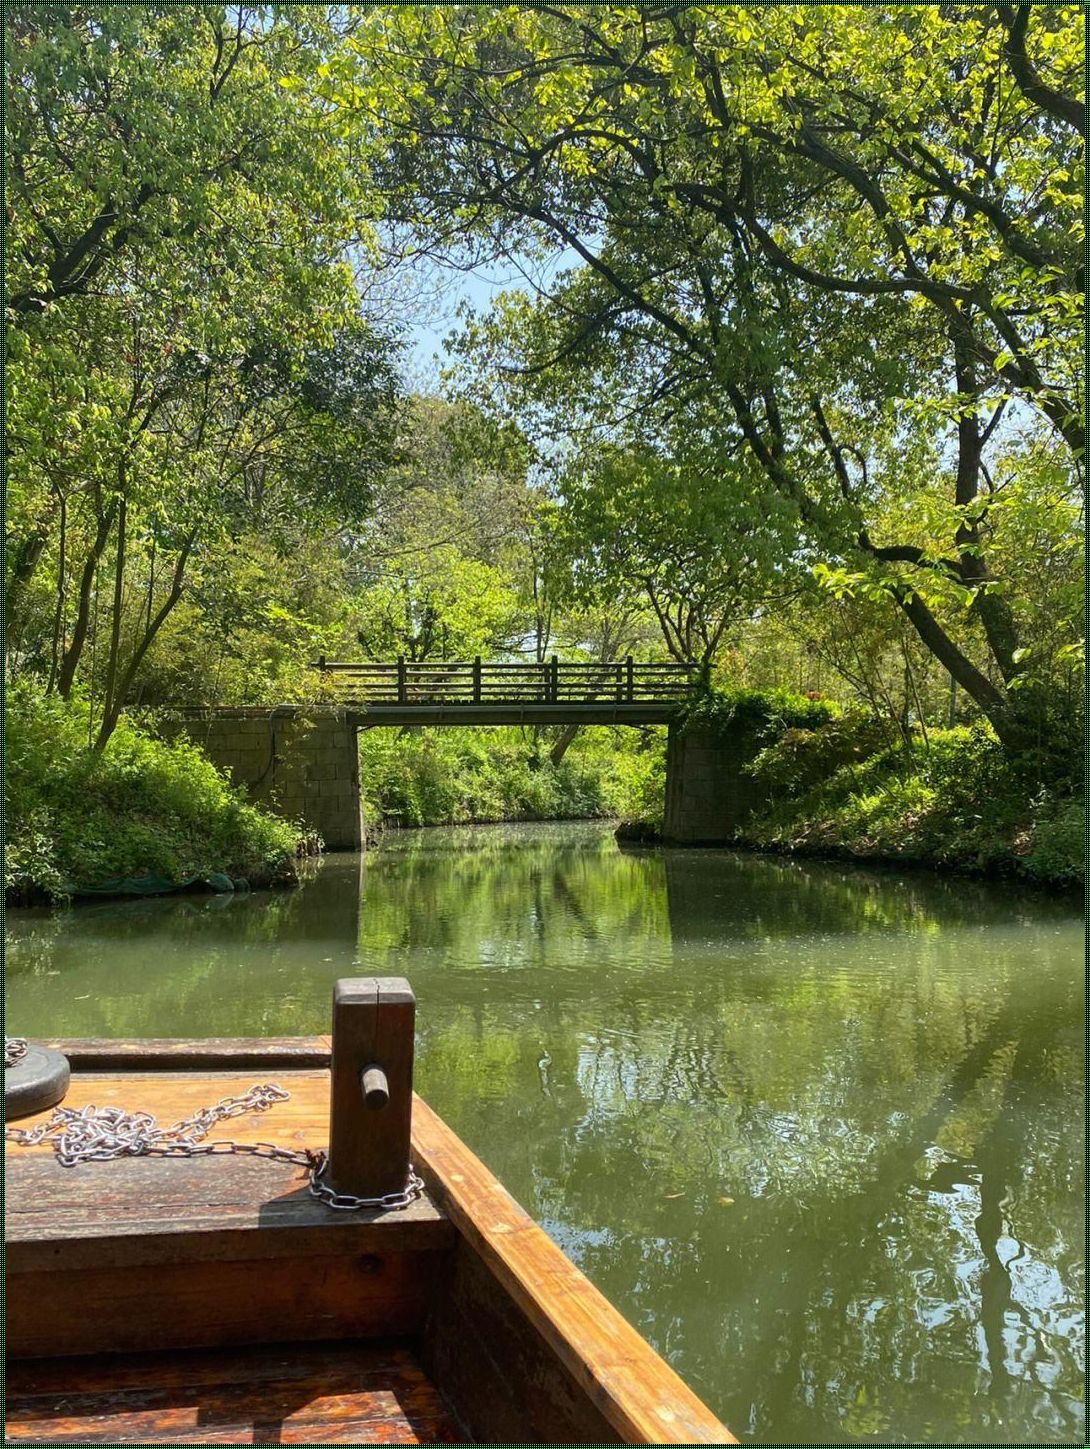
(793, 391)
(959, 801)
(450, 776)
(761, 714)
(77, 817)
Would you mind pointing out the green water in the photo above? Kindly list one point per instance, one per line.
(816, 1131)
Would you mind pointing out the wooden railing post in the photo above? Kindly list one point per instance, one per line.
(618, 671)
(402, 693)
(631, 676)
(371, 1085)
(552, 686)
(477, 680)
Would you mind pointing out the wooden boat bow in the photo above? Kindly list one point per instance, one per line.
(175, 1291)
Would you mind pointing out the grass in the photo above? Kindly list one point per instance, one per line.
(142, 807)
(958, 800)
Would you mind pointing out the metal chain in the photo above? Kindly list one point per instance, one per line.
(99, 1134)
(15, 1049)
(102, 1134)
(389, 1202)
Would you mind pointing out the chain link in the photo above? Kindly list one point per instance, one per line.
(389, 1202)
(102, 1134)
(15, 1049)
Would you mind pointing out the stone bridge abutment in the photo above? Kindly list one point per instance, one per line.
(301, 767)
(306, 768)
(708, 792)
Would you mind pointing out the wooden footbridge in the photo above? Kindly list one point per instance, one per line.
(478, 692)
(303, 759)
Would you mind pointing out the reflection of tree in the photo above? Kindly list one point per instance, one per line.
(810, 1097)
(1015, 1332)
(995, 1283)
(474, 899)
(257, 964)
(758, 896)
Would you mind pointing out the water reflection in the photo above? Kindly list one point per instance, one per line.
(817, 1131)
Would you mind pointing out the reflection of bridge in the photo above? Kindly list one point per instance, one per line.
(473, 692)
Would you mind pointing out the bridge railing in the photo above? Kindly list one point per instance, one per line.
(473, 681)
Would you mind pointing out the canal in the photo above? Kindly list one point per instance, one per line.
(816, 1130)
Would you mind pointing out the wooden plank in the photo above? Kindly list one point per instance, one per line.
(645, 712)
(173, 1054)
(188, 1304)
(343, 1394)
(135, 1211)
(638, 1394)
(300, 1122)
(510, 1387)
(31, 1378)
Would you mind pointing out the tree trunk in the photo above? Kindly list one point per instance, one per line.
(968, 567)
(72, 655)
(976, 685)
(564, 740)
(113, 712)
(992, 609)
(119, 593)
(58, 612)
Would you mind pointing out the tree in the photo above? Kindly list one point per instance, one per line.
(814, 227)
(187, 354)
(434, 565)
(691, 539)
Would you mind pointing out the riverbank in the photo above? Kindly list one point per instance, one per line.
(144, 815)
(954, 801)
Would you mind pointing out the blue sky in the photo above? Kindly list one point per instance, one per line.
(477, 288)
(451, 288)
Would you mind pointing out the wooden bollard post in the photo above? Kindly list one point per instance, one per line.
(370, 1100)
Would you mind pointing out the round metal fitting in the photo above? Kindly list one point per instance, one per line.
(37, 1081)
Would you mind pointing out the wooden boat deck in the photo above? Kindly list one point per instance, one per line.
(204, 1251)
(213, 1300)
(371, 1393)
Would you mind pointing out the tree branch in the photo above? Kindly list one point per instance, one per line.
(1060, 107)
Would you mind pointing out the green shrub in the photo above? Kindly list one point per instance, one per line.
(143, 806)
(803, 757)
(1058, 841)
(957, 800)
(763, 713)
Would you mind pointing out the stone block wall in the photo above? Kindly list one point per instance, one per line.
(301, 769)
(707, 794)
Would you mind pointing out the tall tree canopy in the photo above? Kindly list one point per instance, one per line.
(188, 358)
(827, 234)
